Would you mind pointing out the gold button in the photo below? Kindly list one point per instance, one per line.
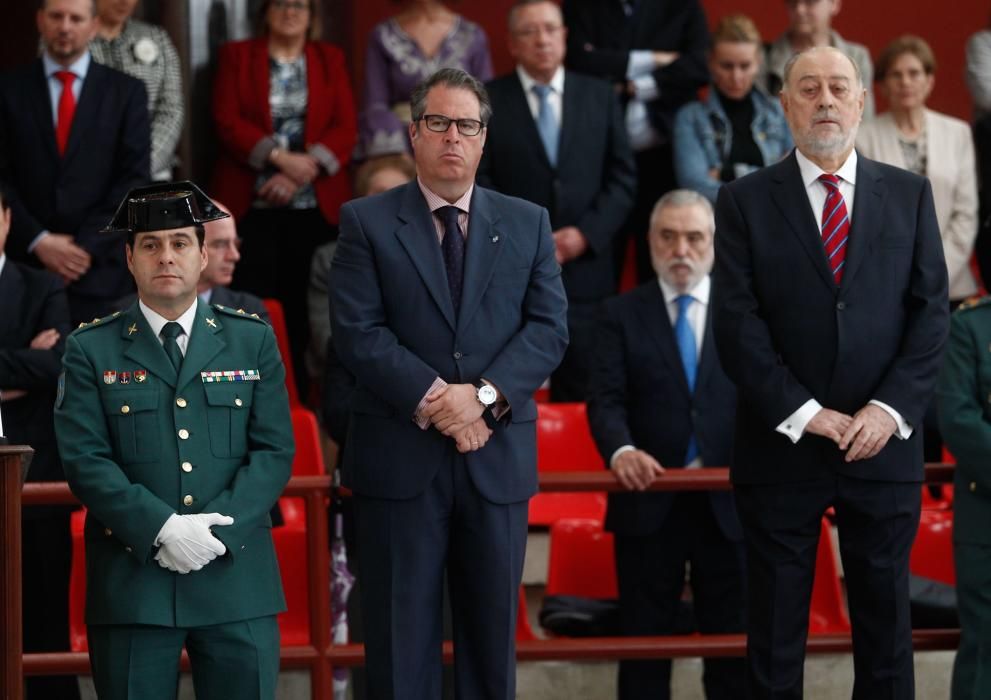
(187, 467)
(107, 531)
(238, 402)
(187, 501)
(973, 485)
(127, 549)
(125, 409)
(180, 402)
(183, 434)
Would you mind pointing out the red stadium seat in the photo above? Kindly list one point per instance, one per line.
(290, 547)
(581, 560)
(564, 443)
(524, 632)
(827, 614)
(932, 552)
(278, 318)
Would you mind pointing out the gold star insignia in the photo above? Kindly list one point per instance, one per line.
(95, 320)
(133, 328)
(82, 325)
(210, 322)
(240, 311)
(116, 314)
(255, 316)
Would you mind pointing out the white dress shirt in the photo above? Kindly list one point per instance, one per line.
(157, 323)
(794, 425)
(555, 98)
(696, 313)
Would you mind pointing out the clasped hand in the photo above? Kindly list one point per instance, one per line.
(186, 542)
(457, 413)
(862, 435)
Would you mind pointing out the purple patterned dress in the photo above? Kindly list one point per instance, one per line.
(394, 64)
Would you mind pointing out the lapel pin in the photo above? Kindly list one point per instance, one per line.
(495, 238)
(133, 328)
(210, 322)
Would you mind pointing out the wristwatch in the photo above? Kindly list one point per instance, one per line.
(486, 394)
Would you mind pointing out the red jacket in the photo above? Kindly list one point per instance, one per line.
(243, 118)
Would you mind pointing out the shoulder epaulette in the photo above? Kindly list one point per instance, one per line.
(974, 302)
(97, 322)
(237, 313)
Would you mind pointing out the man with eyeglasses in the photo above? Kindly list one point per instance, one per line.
(659, 399)
(448, 308)
(810, 24)
(557, 139)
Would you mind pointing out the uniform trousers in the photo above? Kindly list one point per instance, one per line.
(972, 665)
(141, 662)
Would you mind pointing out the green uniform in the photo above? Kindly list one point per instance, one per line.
(964, 395)
(140, 443)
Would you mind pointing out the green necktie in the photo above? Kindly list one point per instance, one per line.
(171, 331)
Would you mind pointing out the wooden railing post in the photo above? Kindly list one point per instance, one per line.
(11, 478)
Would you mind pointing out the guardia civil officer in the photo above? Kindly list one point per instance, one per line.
(173, 424)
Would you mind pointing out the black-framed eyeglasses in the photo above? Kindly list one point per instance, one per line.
(440, 124)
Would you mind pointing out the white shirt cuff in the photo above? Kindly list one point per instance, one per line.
(645, 88)
(617, 453)
(37, 239)
(904, 431)
(793, 427)
(641, 63)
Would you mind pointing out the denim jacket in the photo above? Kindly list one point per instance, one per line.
(702, 139)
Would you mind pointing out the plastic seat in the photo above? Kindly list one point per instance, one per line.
(932, 552)
(278, 318)
(827, 613)
(524, 632)
(564, 443)
(582, 560)
(290, 547)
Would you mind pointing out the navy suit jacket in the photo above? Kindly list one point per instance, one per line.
(592, 186)
(32, 301)
(638, 395)
(107, 155)
(786, 333)
(395, 329)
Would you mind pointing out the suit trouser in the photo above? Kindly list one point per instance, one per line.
(972, 665)
(650, 571)
(141, 662)
(877, 522)
(403, 549)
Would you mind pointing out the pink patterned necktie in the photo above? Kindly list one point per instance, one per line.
(835, 226)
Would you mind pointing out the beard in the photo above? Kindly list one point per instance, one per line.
(829, 145)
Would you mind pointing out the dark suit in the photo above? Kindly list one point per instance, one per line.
(77, 194)
(786, 334)
(638, 396)
(420, 505)
(592, 188)
(32, 301)
(600, 39)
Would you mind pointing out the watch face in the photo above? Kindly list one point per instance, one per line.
(486, 394)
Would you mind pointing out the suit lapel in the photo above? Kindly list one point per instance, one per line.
(708, 357)
(482, 250)
(12, 296)
(144, 348)
(868, 208)
(518, 113)
(418, 236)
(41, 102)
(87, 108)
(788, 193)
(654, 317)
(570, 109)
(204, 345)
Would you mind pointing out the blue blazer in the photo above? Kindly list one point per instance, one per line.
(395, 329)
(78, 193)
(787, 333)
(638, 395)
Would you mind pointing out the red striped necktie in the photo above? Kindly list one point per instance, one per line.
(66, 110)
(835, 226)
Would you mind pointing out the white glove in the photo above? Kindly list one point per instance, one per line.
(166, 562)
(188, 543)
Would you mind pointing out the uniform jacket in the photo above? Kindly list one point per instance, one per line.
(952, 172)
(964, 395)
(638, 395)
(394, 328)
(594, 182)
(124, 441)
(243, 117)
(786, 333)
(77, 194)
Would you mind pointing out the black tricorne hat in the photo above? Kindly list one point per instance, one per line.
(162, 207)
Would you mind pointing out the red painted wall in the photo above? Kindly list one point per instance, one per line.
(945, 25)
